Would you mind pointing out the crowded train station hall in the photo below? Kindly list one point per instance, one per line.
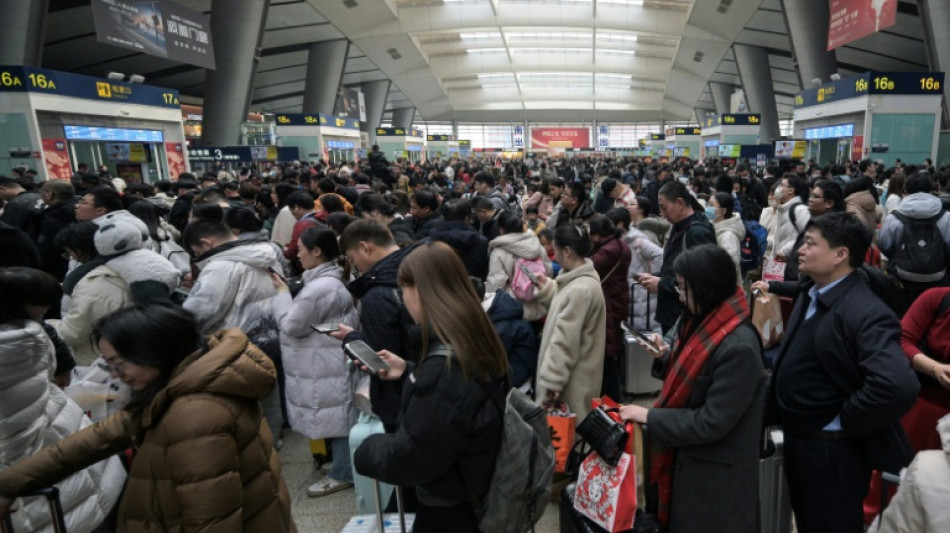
(474, 266)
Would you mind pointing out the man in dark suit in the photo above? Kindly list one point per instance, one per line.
(841, 382)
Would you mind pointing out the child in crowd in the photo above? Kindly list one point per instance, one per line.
(533, 223)
(546, 236)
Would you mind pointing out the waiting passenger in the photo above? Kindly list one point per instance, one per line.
(645, 258)
(611, 258)
(730, 231)
(205, 461)
(456, 230)
(450, 429)
(707, 421)
(506, 249)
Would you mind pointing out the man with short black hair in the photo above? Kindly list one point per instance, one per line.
(97, 202)
(60, 211)
(424, 208)
(841, 382)
(456, 230)
(487, 215)
(484, 185)
(21, 207)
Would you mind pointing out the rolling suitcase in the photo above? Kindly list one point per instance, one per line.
(637, 363)
(58, 521)
(775, 505)
(365, 426)
(381, 523)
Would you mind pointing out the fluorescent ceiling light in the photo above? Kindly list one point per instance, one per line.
(496, 76)
(610, 76)
(617, 36)
(548, 75)
(486, 50)
(617, 52)
(550, 50)
(479, 35)
(561, 35)
(622, 2)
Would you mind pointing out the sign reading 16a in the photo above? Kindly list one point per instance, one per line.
(9, 80)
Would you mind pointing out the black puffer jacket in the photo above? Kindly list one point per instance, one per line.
(448, 437)
(55, 218)
(385, 324)
(687, 233)
(421, 227)
(471, 247)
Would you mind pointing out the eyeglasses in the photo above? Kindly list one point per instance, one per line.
(86, 203)
(111, 366)
(814, 197)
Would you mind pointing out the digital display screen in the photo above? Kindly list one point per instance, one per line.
(830, 132)
(96, 133)
(340, 145)
(729, 150)
(712, 143)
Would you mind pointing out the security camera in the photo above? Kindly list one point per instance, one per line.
(115, 76)
(835, 77)
(816, 82)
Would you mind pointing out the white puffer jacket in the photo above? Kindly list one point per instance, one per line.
(34, 413)
(788, 232)
(319, 384)
(504, 251)
(729, 235)
(101, 292)
(646, 258)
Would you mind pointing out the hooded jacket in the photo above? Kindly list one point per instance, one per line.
(205, 460)
(920, 505)
(612, 261)
(645, 258)
(862, 205)
(98, 294)
(471, 247)
(571, 358)
(505, 250)
(729, 235)
(385, 324)
(919, 205)
(234, 289)
(518, 337)
(319, 384)
(35, 413)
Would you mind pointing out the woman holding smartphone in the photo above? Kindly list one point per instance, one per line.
(450, 429)
(319, 385)
(706, 425)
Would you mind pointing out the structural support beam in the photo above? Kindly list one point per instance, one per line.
(701, 115)
(935, 15)
(22, 32)
(325, 65)
(722, 96)
(807, 22)
(375, 94)
(402, 117)
(238, 27)
(756, 76)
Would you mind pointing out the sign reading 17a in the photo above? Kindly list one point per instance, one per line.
(169, 98)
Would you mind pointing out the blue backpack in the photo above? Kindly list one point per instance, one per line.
(753, 246)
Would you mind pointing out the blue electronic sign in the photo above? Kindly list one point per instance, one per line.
(96, 133)
(341, 145)
(39, 80)
(830, 132)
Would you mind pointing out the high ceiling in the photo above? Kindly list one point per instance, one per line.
(507, 60)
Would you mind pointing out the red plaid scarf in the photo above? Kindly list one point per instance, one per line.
(686, 362)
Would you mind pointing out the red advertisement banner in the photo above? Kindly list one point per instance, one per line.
(560, 137)
(56, 157)
(175, 155)
(853, 19)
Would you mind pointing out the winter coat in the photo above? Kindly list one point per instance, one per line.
(787, 232)
(769, 219)
(518, 337)
(422, 227)
(645, 258)
(401, 229)
(319, 384)
(35, 413)
(262, 236)
(205, 461)
(544, 203)
(920, 505)
(655, 228)
(385, 324)
(471, 247)
(56, 217)
(612, 261)
(17, 248)
(571, 358)
(892, 203)
(862, 205)
(448, 438)
(283, 227)
(234, 289)
(716, 437)
(505, 251)
(98, 294)
(729, 234)
(687, 233)
(22, 211)
(918, 206)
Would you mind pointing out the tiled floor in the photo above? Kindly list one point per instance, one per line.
(330, 513)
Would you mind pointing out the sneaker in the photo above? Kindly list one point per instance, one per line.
(327, 485)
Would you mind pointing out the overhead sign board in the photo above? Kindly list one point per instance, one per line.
(347, 104)
(790, 149)
(830, 132)
(740, 119)
(398, 132)
(687, 131)
(440, 138)
(919, 83)
(657, 137)
(316, 119)
(158, 28)
(851, 20)
(38, 80)
(244, 153)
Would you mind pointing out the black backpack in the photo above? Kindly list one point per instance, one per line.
(886, 287)
(921, 254)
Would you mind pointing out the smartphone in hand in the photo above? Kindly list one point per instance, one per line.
(274, 271)
(642, 337)
(325, 328)
(531, 276)
(362, 353)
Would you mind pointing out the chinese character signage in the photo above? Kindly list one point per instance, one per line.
(159, 28)
(39, 80)
(853, 19)
(560, 137)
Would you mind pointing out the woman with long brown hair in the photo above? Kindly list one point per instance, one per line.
(450, 430)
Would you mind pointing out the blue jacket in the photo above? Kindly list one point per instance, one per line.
(519, 339)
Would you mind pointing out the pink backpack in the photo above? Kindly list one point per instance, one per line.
(521, 285)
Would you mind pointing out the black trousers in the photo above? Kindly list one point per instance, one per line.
(457, 519)
(610, 384)
(827, 481)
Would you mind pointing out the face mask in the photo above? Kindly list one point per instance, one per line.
(773, 203)
(711, 212)
(778, 192)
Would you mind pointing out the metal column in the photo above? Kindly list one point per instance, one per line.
(807, 22)
(722, 96)
(375, 94)
(756, 76)
(326, 62)
(22, 32)
(238, 27)
(402, 117)
(935, 15)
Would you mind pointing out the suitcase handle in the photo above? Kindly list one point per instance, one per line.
(380, 525)
(58, 521)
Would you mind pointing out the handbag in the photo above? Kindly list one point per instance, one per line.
(606, 436)
(607, 494)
